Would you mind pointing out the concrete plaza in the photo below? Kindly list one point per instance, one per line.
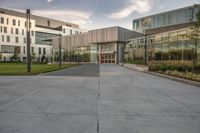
(107, 99)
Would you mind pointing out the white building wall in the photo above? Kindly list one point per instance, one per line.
(11, 32)
(65, 30)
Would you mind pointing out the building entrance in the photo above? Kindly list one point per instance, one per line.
(107, 58)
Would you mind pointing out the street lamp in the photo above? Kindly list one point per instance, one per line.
(60, 52)
(145, 50)
(28, 40)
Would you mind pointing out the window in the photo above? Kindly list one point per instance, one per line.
(1, 30)
(24, 39)
(64, 31)
(17, 31)
(7, 21)
(48, 23)
(8, 38)
(166, 19)
(158, 21)
(11, 30)
(17, 39)
(32, 49)
(24, 50)
(2, 20)
(40, 36)
(2, 38)
(39, 51)
(22, 31)
(44, 51)
(14, 22)
(70, 31)
(18, 22)
(180, 16)
(7, 49)
(5, 29)
(32, 33)
(24, 24)
(136, 25)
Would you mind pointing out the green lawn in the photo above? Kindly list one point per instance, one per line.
(21, 69)
(137, 62)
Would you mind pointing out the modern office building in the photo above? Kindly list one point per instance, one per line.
(160, 35)
(13, 34)
(154, 37)
(163, 36)
(101, 45)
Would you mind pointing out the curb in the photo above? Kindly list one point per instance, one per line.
(135, 67)
(185, 81)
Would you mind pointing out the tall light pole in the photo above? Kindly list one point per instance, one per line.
(28, 40)
(145, 50)
(60, 52)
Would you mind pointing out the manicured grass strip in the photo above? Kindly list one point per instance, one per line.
(137, 62)
(185, 75)
(20, 69)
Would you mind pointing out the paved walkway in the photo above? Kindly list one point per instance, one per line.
(118, 101)
(86, 70)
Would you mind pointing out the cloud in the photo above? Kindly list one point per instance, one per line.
(140, 6)
(78, 17)
(48, 1)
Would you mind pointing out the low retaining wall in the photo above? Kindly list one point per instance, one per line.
(141, 68)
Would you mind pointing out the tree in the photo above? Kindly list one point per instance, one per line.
(194, 36)
(15, 55)
(43, 59)
(33, 56)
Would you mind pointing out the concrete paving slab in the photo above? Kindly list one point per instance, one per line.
(135, 102)
(86, 70)
(129, 102)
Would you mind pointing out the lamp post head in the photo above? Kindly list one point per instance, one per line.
(28, 11)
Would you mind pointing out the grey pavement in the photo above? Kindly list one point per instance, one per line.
(86, 70)
(119, 100)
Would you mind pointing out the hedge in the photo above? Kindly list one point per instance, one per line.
(173, 66)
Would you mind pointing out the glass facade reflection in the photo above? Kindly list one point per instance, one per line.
(164, 46)
(179, 16)
(78, 54)
(41, 36)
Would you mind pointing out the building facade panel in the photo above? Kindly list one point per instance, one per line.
(13, 34)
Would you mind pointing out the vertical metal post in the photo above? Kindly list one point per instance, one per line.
(60, 53)
(78, 57)
(182, 58)
(28, 41)
(145, 51)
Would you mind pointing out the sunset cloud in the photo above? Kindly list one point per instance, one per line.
(140, 6)
(78, 17)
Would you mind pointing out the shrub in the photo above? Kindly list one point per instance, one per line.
(172, 66)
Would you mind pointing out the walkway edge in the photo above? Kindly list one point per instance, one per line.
(190, 82)
(185, 81)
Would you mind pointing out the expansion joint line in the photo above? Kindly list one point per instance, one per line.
(98, 104)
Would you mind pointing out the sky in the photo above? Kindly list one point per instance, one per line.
(94, 14)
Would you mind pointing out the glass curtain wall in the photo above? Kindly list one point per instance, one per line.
(165, 46)
(165, 19)
(78, 54)
(134, 50)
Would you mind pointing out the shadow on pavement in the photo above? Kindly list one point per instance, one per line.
(85, 70)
